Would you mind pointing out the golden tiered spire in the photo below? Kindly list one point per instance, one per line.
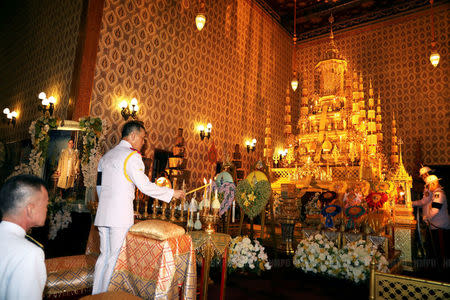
(287, 117)
(371, 125)
(268, 140)
(394, 147)
(378, 120)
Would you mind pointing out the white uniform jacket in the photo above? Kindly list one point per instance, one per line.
(438, 213)
(22, 266)
(122, 169)
(425, 202)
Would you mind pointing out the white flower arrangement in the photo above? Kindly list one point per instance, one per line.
(356, 257)
(247, 255)
(59, 216)
(319, 255)
(93, 138)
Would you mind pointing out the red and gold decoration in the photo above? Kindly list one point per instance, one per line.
(376, 200)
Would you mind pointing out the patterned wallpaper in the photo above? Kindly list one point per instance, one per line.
(37, 51)
(228, 74)
(395, 55)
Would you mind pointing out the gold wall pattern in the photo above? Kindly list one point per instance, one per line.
(37, 54)
(395, 55)
(228, 74)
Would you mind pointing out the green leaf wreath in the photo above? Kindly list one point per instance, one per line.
(252, 200)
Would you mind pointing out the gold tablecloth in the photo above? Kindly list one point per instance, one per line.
(219, 241)
(154, 269)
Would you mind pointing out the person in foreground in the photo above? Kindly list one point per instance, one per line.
(23, 205)
(120, 170)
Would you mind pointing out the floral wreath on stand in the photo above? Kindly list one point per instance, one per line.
(253, 197)
(352, 213)
(376, 200)
(327, 197)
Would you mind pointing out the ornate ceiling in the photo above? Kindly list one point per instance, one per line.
(312, 15)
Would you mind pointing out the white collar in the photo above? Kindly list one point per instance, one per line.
(13, 228)
(125, 144)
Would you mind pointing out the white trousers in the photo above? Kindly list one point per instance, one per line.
(111, 240)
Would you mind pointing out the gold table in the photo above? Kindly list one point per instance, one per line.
(206, 246)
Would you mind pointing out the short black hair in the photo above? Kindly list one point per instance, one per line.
(132, 126)
(17, 190)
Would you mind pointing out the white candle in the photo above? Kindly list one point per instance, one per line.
(232, 215)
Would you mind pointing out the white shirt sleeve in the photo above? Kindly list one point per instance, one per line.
(135, 170)
(31, 275)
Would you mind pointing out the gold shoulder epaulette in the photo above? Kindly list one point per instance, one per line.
(29, 238)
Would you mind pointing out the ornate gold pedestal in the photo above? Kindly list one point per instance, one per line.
(404, 235)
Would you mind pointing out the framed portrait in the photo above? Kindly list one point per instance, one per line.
(62, 170)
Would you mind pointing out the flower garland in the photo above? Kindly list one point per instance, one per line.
(317, 254)
(93, 136)
(59, 216)
(376, 200)
(40, 140)
(247, 255)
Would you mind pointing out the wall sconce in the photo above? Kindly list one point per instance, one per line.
(434, 57)
(11, 116)
(204, 133)
(129, 111)
(47, 104)
(278, 156)
(200, 19)
(251, 145)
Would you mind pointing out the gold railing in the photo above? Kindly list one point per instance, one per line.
(339, 173)
(389, 286)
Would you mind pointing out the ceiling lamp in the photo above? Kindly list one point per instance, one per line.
(200, 19)
(434, 57)
(294, 81)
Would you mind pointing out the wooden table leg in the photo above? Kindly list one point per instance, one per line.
(224, 274)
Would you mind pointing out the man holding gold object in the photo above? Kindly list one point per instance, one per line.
(425, 202)
(120, 170)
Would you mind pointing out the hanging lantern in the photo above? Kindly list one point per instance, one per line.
(434, 58)
(294, 83)
(200, 21)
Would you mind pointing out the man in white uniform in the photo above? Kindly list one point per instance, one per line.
(23, 205)
(121, 170)
(425, 202)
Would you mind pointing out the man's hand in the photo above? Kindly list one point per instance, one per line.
(179, 194)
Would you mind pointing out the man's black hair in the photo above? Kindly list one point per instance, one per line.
(132, 126)
(17, 190)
